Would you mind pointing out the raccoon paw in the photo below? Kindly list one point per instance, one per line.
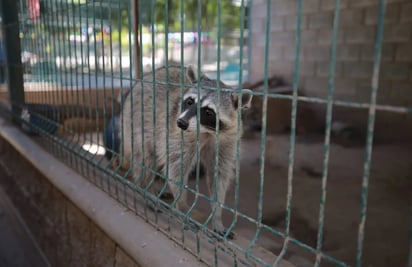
(222, 233)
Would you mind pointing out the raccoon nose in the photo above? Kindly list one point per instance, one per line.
(182, 124)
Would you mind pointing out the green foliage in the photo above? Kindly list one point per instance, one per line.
(154, 13)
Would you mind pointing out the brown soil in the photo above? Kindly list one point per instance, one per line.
(388, 209)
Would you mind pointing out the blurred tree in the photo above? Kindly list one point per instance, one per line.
(153, 12)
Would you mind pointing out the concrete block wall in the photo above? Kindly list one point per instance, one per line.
(355, 47)
(64, 233)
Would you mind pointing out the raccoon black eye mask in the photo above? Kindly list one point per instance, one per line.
(207, 116)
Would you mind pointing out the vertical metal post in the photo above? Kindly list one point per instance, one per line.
(136, 50)
(12, 49)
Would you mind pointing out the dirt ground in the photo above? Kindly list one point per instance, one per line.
(389, 202)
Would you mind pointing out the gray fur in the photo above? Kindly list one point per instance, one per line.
(156, 158)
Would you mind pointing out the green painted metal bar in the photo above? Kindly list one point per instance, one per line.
(69, 93)
(167, 128)
(182, 168)
(122, 73)
(292, 134)
(217, 144)
(154, 100)
(182, 79)
(96, 78)
(318, 100)
(263, 134)
(79, 88)
(199, 54)
(328, 123)
(111, 96)
(140, 82)
(370, 131)
(239, 121)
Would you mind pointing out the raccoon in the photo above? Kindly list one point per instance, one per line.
(183, 118)
(131, 111)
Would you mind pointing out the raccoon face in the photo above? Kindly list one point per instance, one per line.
(210, 105)
(188, 118)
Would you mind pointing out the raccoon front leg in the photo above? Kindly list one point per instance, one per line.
(225, 174)
(177, 188)
(179, 192)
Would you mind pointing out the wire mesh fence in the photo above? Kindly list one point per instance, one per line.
(150, 100)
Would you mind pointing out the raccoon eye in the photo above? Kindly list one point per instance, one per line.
(189, 101)
(209, 112)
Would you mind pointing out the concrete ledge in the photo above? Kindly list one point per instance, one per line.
(141, 241)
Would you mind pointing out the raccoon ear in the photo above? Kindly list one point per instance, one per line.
(246, 95)
(191, 73)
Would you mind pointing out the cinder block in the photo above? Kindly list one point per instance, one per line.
(397, 33)
(79, 236)
(330, 4)
(321, 20)
(349, 17)
(384, 92)
(275, 52)
(364, 90)
(323, 69)
(316, 86)
(259, 11)
(394, 71)
(289, 53)
(368, 52)
(325, 36)
(259, 2)
(291, 22)
(345, 88)
(396, 1)
(357, 69)
(362, 3)
(308, 37)
(256, 70)
(310, 6)
(284, 7)
(392, 13)
(404, 52)
(317, 53)
(283, 38)
(102, 248)
(257, 26)
(256, 74)
(360, 34)
(282, 68)
(398, 92)
(307, 68)
(348, 52)
(406, 12)
(260, 39)
(276, 24)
